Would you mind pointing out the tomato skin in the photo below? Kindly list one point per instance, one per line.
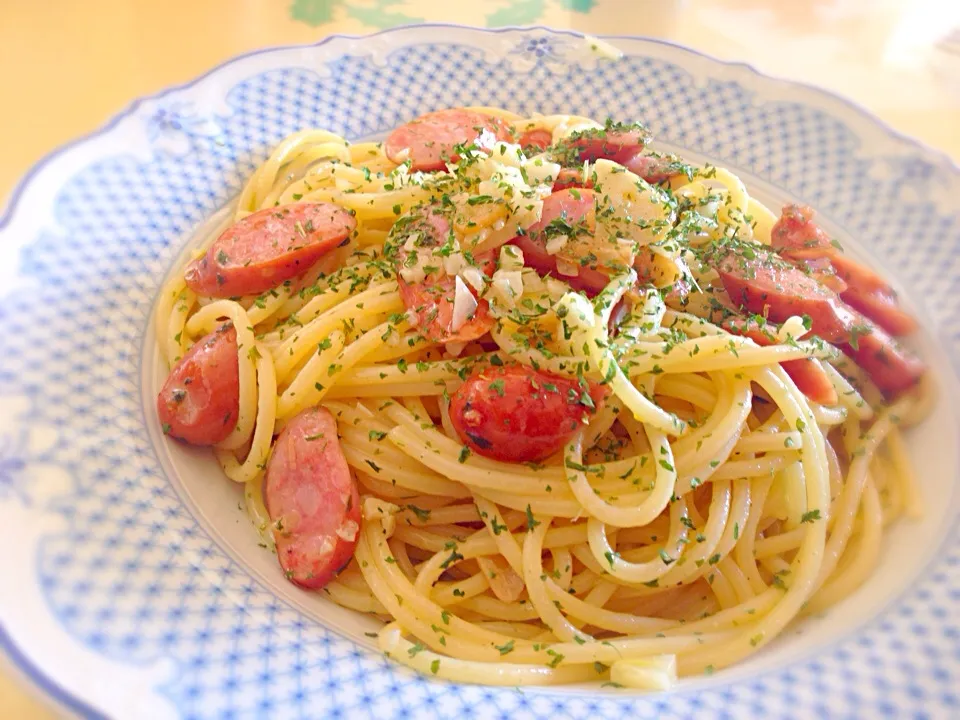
(808, 373)
(312, 499)
(268, 247)
(516, 414)
(200, 399)
(428, 141)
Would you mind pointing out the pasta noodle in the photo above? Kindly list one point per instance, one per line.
(706, 505)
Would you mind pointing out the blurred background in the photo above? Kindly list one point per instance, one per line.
(69, 66)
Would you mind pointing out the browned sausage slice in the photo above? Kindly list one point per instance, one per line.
(312, 499)
(263, 249)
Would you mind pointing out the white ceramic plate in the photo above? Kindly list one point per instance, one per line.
(132, 584)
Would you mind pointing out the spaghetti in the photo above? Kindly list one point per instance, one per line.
(709, 475)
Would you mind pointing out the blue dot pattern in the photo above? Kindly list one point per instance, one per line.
(136, 578)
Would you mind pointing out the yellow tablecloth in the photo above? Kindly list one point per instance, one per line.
(68, 67)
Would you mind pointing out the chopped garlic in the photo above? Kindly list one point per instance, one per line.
(579, 310)
(474, 277)
(556, 243)
(464, 305)
(567, 268)
(454, 263)
(556, 288)
(511, 258)
(792, 328)
(507, 286)
(533, 284)
(415, 273)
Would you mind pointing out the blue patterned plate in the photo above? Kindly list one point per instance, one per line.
(132, 587)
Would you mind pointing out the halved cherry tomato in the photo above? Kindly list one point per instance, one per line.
(516, 414)
(200, 400)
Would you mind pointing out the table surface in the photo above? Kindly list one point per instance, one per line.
(898, 58)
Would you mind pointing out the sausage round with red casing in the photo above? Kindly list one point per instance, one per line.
(312, 499)
(772, 288)
(776, 290)
(871, 295)
(429, 141)
(516, 414)
(536, 139)
(796, 236)
(268, 247)
(200, 399)
(575, 207)
(807, 373)
(432, 300)
(616, 142)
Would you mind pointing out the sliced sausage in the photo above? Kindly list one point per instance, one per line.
(767, 286)
(655, 170)
(433, 299)
(570, 212)
(770, 288)
(537, 140)
(433, 304)
(795, 235)
(516, 414)
(822, 270)
(429, 141)
(615, 142)
(869, 294)
(200, 400)
(312, 499)
(808, 373)
(570, 178)
(892, 369)
(268, 247)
